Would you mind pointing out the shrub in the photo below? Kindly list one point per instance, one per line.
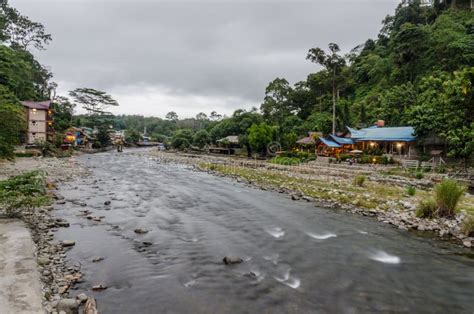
(419, 175)
(467, 226)
(411, 190)
(447, 195)
(23, 192)
(289, 161)
(426, 209)
(359, 180)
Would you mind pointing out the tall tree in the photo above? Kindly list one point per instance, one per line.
(94, 101)
(333, 63)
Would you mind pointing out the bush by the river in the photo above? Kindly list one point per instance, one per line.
(447, 196)
(467, 226)
(426, 209)
(411, 190)
(359, 180)
(22, 193)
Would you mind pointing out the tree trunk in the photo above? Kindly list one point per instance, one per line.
(453, 3)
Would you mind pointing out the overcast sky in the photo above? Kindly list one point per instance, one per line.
(192, 56)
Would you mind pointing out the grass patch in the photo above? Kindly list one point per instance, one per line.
(288, 161)
(22, 193)
(427, 209)
(448, 193)
(467, 226)
(359, 180)
(411, 190)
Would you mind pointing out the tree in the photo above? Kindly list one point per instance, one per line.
(201, 138)
(259, 136)
(132, 135)
(63, 112)
(12, 122)
(215, 116)
(275, 105)
(19, 31)
(333, 63)
(94, 101)
(182, 138)
(172, 116)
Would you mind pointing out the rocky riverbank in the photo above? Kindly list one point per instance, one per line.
(383, 197)
(57, 276)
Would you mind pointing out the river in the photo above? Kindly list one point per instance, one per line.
(298, 258)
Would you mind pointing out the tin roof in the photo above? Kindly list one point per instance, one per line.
(342, 140)
(329, 143)
(389, 134)
(42, 105)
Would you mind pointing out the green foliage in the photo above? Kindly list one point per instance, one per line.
(63, 111)
(182, 139)
(288, 161)
(260, 135)
(467, 226)
(411, 190)
(94, 101)
(201, 138)
(359, 180)
(132, 136)
(12, 122)
(447, 195)
(22, 193)
(419, 175)
(426, 209)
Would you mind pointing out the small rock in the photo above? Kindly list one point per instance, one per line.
(69, 306)
(97, 259)
(147, 243)
(232, 260)
(99, 287)
(43, 260)
(140, 231)
(467, 243)
(107, 203)
(67, 243)
(82, 297)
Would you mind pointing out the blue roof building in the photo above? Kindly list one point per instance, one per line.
(384, 134)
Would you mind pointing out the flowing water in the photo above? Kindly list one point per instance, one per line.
(298, 258)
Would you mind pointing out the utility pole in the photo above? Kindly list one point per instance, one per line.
(334, 101)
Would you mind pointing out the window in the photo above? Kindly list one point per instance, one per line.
(33, 122)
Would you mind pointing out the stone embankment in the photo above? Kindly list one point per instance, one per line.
(56, 275)
(329, 186)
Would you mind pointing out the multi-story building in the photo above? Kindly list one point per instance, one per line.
(39, 118)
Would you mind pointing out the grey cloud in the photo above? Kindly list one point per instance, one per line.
(215, 49)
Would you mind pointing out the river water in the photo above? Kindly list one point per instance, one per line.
(298, 258)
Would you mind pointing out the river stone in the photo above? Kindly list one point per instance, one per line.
(140, 231)
(107, 203)
(97, 259)
(467, 243)
(62, 223)
(99, 287)
(67, 243)
(82, 297)
(43, 260)
(232, 260)
(69, 306)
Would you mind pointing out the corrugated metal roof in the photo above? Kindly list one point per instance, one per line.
(42, 105)
(389, 134)
(329, 143)
(342, 140)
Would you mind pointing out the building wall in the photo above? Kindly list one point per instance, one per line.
(37, 125)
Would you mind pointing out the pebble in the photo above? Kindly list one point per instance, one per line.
(67, 243)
